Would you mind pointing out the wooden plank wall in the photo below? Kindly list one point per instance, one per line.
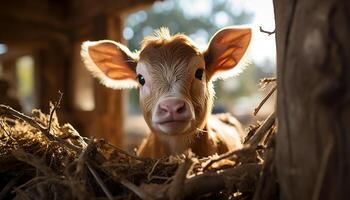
(50, 31)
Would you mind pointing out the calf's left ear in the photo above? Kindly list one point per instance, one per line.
(225, 51)
(111, 62)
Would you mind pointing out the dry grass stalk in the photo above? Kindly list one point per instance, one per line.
(80, 168)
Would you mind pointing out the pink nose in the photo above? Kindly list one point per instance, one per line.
(172, 109)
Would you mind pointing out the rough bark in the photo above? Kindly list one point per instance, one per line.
(313, 103)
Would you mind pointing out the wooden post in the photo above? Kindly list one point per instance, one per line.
(9, 73)
(51, 76)
(313, 101)
(109, 102)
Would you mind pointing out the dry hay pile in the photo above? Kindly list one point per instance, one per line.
(41, 159)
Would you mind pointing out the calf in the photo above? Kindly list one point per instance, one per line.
(175, 81)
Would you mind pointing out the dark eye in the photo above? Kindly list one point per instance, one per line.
(199, 74)
(141, 79)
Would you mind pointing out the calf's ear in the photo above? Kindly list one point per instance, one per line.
(225, 51)
(111, 62)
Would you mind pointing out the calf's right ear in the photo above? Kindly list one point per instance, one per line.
(111, 62)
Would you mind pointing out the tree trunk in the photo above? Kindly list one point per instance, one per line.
(313, 103)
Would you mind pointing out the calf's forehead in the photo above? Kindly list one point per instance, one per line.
(174, 56)
(166, 70)
(168, 51)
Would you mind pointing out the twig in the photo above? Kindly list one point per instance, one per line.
(152, 170)
(251, 130)
(83, 155)
(127, 154)
(86, 150)
(138, 191)
(99, 181)
(267, 80)
(177, 186)
(8, 111)
(70, 135)
(32, 181)
(226, 155)
(160, 178)
(266, 185)
(267, 32)
(212, 182)
(256, 110)
(54, 110)
(260, 133)
(33, 161)
(253, 141)
(269, 135)
(2, 125)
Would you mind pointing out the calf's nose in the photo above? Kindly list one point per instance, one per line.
(173, 109)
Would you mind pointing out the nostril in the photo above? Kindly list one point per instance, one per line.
(163, 109)
(172, 109)
(181, 108)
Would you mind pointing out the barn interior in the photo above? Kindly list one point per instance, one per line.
(41, 68)
(296, 144)
(40, 43)
(43, 39)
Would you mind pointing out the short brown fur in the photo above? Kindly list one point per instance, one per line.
(168, 65)
(203, 141)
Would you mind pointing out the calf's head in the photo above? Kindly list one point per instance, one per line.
(174, 77)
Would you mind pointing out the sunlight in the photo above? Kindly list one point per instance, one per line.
(200, 19)
(3, 48)
(128, 33)
(83, 84)
(25, 82)
(221, 18)
(263, 46)
(196, 8)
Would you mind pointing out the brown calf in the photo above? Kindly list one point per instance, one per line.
(176, 87)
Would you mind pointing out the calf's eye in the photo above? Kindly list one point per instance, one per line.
(199, 74)
(141, 79)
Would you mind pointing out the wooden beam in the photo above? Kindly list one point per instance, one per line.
(109, 103)
(51, 75)
(43, 21)
(9, 73)
(39, 11)
(106, 120)
(30, 34)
